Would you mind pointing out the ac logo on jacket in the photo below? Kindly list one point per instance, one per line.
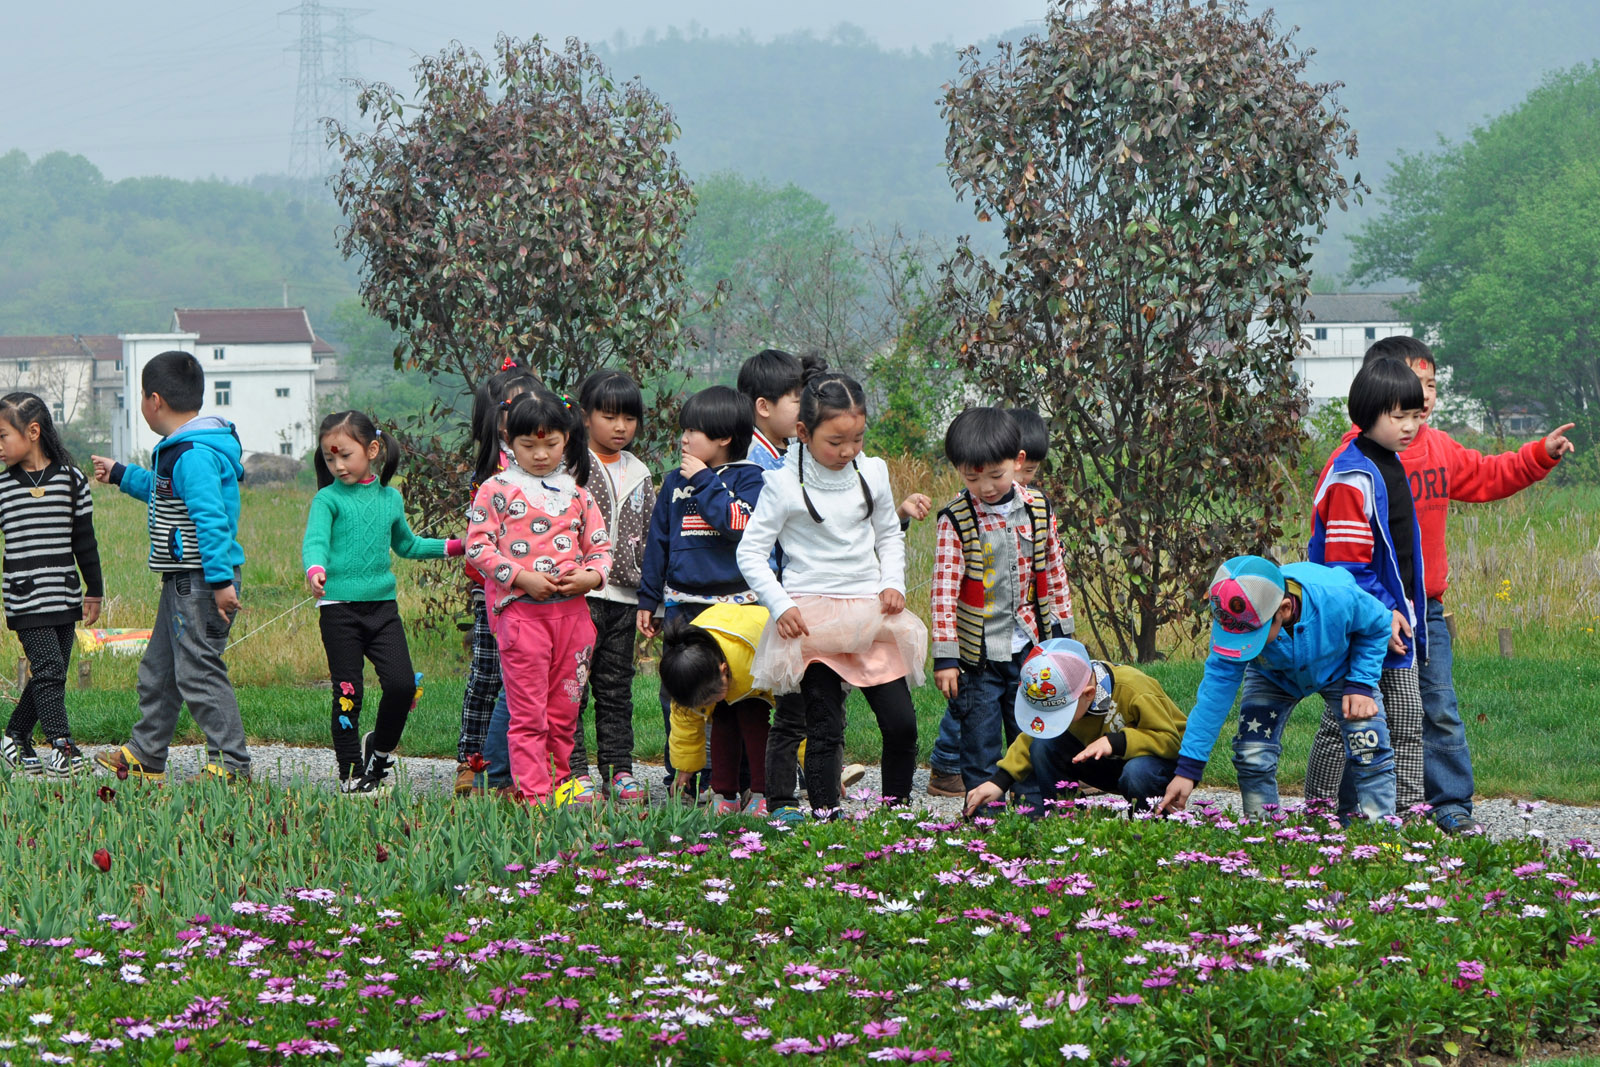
(683, 492)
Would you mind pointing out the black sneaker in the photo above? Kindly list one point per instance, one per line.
(65, 759)
(19, 755)
(374, 771)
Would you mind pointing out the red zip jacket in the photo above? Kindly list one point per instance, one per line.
(1440, 470)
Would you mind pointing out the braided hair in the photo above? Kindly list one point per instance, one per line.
(828, 394)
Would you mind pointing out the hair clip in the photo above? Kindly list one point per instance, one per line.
(510, 361)
(566, 401)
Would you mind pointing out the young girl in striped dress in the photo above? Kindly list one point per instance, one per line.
(47, 518)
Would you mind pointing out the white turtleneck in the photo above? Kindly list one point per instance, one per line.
(845, 555)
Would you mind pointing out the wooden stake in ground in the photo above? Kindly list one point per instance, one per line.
(1505, 642)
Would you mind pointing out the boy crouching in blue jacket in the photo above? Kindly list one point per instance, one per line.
(1285, 634)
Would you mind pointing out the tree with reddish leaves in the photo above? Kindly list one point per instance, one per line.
(1157, 167)
(524, 205)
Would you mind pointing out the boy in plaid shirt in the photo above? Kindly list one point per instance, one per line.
(999, 585)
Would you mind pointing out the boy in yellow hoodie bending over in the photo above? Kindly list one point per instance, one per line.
(705, 670)
(1110, 727)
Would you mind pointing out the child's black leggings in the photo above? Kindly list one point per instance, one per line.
(351, 632)
(822, 690)
(49, 650)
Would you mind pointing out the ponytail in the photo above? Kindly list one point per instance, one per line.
(542, 411)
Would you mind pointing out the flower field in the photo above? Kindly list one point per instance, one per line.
(265, 926)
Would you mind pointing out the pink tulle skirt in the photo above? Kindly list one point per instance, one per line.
(851, 635)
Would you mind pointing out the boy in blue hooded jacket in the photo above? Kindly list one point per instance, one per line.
(1284, 634)
(193, 495)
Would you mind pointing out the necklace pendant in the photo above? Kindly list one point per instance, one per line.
(36, 492)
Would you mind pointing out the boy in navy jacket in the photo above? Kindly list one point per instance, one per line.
(193, 495)
(1284, 634)
(1366, 523)
(699, 516)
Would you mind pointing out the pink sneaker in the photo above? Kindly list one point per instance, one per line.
(625, 789)
(757, 806)
(728, 807)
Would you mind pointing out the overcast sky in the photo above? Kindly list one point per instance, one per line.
(193, 88)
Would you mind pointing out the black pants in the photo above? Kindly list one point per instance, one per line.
(823, 694)
(611, 683)
(366, 629)
(783, 751)
(49, 649)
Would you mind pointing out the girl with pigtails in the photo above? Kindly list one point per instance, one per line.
(356, 519)
(541, 543)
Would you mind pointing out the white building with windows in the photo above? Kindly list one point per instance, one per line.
(1337, 331)
(261, 367)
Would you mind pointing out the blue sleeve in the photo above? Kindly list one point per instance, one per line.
(726, 499)
(1366, 576)
(198, 480)
(1219, 687)
(657, 547)
(133, 480)
(1370, 626)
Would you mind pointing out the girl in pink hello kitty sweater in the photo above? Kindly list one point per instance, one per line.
(541, 543)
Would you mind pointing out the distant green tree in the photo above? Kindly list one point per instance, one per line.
(86, 255)
(1155, 166)
(1502, 237)
(784, 274)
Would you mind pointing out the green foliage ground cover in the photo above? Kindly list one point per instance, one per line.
(199, 924)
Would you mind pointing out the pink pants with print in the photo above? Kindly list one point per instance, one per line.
(544, 662)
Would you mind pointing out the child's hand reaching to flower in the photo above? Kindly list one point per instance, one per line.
(1099, 748)
(892, 601)
(1557, 443)
(981, 796)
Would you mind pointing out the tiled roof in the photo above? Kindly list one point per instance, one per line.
(1326, 308)
(319, 347)
(99, 345)
(243, 326)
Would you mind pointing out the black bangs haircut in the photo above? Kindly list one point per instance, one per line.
(542, 411)
(1035, 434)
(829, 393)
(22, 410)
(177, 378)
(981, 437)
(611, 392)
(691, 662)
(488, 404)
(720, 412)
(770, 374)
(1405, 349)
(361, 429)
(1381, 387)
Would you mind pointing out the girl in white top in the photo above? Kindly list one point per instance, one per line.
(839, 613)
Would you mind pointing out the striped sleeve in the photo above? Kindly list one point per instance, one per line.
(1343, 511)
(85, 548)
(949, 562)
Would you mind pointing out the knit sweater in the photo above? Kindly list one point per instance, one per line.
(844, 555)
(1441, 469)
(49, 539)
(349, 533)
(519, 522)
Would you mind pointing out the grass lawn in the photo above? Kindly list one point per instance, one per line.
(1535, 738)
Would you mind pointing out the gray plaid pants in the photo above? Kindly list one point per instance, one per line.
(1402, 706)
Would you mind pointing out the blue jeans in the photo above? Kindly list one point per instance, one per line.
(496, 750)
(1136, 779)
(1264, 710)
(982, 710)
(1446, 762)
(946, 756)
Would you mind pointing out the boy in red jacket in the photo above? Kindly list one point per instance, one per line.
(1441, 470)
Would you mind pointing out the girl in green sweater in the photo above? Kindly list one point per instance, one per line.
(356, 518)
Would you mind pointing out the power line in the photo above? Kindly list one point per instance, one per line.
(324, 89)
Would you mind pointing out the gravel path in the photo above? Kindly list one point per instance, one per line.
(285, 763)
